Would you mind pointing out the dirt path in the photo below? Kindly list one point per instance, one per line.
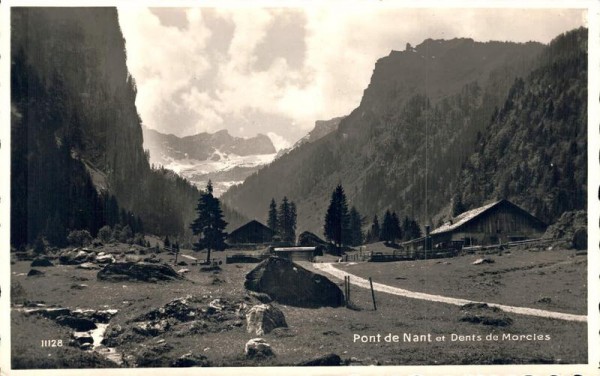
(361, 282)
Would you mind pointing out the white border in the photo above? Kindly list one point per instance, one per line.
(593, 366)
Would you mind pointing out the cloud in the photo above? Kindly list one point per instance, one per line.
(203, 69)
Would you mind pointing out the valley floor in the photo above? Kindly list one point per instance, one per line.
(552, 280)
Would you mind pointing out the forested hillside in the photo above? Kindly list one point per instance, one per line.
(76, 134)
(535, 150)
(404, 146)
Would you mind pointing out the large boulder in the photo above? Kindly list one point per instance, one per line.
(291, 284)
(141, 271)
(263, 318)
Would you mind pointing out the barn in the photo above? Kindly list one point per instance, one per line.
(498, 222)
(252, 232)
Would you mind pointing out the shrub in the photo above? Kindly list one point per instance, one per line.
(126, 235)
(79, 238)
(105, 234)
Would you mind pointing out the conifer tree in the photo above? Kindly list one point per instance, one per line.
(272, 219)
(374, 232)
(292, 224)
(209, 224)
(387, 229)
(396, 229)
(356, 233)
(337, 221)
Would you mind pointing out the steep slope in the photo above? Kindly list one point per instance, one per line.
(535, 150)
(76, 135)
(404, 146)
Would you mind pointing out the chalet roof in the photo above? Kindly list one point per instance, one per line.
(252, 223)
(465, 217)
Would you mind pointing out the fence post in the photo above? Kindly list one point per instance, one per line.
(373, 294)
(348, 289)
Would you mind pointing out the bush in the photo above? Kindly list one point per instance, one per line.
(126, 235)
(105, 234)
(79, 238)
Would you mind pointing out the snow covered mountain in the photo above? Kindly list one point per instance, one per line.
(220, 157)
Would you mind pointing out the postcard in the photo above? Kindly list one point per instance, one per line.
(252, 187)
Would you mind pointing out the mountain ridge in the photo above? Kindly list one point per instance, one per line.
(417, 123)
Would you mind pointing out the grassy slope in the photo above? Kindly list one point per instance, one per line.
(315, 332)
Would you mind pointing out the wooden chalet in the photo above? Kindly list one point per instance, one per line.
(498, 222)
(252, 233)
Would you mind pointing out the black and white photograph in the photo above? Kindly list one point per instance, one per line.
(371, 185)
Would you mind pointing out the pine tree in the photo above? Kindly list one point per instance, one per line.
(209, 224)
(356, 233)
(272, 219)
(286, 221)
(337, 221)
(293, 220)
(374, 232)
(387, 229)
(396, 229)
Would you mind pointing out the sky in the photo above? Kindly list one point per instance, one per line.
(276, 71)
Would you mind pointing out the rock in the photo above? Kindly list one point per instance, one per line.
(481, 313)
(77, 323)
(176, 308)
(133, 258)
(41, 262)
(263, 318)
(191, 360)
(215, 306)
(75, 257)
(141, 271)
(289, 283)
(81, 338)
(105, 259)
(88, 266)
(35, 273)
(483, 260)
(579, 240)
(104, 316)
(79, 286)
(258, 348)
(183, 271)
(152, 328)
(325, 360)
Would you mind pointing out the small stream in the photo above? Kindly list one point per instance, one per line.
(97, 334)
